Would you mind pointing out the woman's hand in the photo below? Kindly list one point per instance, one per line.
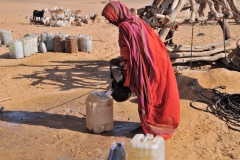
(115, 61)
(123, 65)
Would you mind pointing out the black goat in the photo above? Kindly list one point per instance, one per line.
(37, 13)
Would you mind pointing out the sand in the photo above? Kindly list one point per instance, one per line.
(47, 120)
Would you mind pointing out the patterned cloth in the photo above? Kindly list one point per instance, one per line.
(149, 71)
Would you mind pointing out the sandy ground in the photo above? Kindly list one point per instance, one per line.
(47, 121)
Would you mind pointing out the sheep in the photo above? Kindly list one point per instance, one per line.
(62, 24)
(46, 20)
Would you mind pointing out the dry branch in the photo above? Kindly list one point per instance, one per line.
(199, 54)
(233, 59)
(206, 47)
(196, 59)
(213, 10)
(5, 99)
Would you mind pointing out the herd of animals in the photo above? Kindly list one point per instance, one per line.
(60, 17)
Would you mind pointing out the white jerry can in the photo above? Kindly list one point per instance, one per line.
(5, 36)
(16, 49)
(86, 44)
(146, 148)
(26, 46)
(99, 112)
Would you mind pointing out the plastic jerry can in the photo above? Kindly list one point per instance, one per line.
(86, 44)
(16, 49)
(42, 47)
(26, 46)
(78, 41)
(117, 152)
(59, 43)
(49, 42)
(31, 44)
(99, 112)
(71, 44)
(6, 36)
(35, 44)
(146, 148)
(44, 37)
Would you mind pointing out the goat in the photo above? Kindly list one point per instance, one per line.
(67, 13)
(46, 20)
(57, 14)
(77, 13)
(37, 13)
(93, 17)
(83, 19)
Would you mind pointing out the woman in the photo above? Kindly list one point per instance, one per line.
(149, 72)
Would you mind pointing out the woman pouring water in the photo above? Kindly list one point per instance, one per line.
(148, 71)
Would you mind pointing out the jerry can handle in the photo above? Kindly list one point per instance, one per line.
(147, 137)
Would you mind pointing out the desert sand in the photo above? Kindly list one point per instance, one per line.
(46, 121)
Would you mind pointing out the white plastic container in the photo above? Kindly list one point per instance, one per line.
(42, 47)
(16, 49)
(31, 44)
(99, 112)
(78, 41)
(44, 37)
(26, 46)
(146, 148)
(86, 44)
(35, 44)
(6, 36)
(49, 42)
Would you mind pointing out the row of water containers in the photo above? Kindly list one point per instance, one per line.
(23, 47)
(62, 42)
(99, 118)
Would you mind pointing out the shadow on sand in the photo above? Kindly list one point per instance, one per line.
(69, 122)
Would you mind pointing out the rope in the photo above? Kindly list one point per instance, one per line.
(226, 108)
